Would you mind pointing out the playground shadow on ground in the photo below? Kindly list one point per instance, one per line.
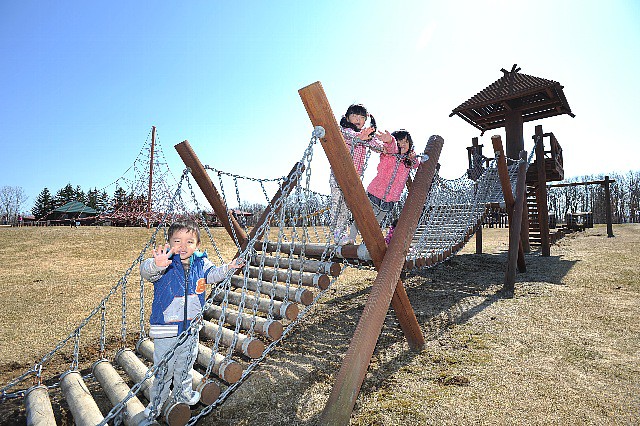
(295, 380)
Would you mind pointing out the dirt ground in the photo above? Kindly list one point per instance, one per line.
(563, 350)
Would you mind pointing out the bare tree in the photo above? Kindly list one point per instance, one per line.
(11, 200)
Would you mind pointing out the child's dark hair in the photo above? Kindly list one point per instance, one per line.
(184, 225)
(402, 134)
(357, 109)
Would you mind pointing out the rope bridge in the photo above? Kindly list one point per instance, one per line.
(291, 262)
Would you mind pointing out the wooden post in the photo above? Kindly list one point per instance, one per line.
(83, 407)
(513, 132)
(117, 390)
(509, 201)
(479, 240)
(317, 105)
(541, 193)
(153, 146)
(201, 177)
(354, 367)
(514, 227)
(607, 197)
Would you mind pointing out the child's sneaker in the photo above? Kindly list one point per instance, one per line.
(195, 397)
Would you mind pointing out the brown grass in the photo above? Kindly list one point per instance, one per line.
(563, 350)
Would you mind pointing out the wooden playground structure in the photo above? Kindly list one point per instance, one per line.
(510, 101)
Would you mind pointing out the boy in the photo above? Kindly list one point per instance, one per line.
(178, 271)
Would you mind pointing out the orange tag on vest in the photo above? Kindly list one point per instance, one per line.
(201, 286)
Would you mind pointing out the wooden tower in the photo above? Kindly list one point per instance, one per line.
(509, 102)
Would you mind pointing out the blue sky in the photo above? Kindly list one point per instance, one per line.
(82, 83)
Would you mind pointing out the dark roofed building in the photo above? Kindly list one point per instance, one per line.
(73, 210)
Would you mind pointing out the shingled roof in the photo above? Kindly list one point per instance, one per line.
(75, 207)
(534, 97)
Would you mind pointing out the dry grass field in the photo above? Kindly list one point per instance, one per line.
(565, 350)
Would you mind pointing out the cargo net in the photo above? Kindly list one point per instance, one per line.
(292, 259)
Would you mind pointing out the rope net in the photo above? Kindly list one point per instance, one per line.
(292, 260)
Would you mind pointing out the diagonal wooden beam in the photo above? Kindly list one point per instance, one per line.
(354, 366)
(320, 113)
(210, 192)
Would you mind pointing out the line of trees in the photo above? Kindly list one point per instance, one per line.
(625, 198)
(12, 198)
(100, 201)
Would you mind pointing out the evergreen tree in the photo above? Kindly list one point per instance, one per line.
(43, 204)
(79, 195)
(64, 195)
(119, 199)
(103, 202)
(92, 199)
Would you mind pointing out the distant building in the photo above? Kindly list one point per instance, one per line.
(72, 213)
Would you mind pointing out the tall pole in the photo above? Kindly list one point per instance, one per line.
(607, 200)
(153, 148)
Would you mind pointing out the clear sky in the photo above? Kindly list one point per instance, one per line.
(82, 82)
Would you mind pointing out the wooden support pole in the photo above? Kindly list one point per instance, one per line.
(541, 193)
(514, 227)
(505, 182)
(479, 240)
(210, 192)
(354, 367)
(607, 200)
(317, 105)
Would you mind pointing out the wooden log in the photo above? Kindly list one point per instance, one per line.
(338, 409)
(38, 407)
(210, 192)
(266, 327)
(607, 200)
(514, 231)
(117, 390)
(320, 281)
(288, 310)
(227, 369)
(541, 194)
(307, 265)
(505, 183)
(248, 346)
(83, 407)
(281, 292)
(135, 368)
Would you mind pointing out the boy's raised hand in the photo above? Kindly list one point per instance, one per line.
(162, 255)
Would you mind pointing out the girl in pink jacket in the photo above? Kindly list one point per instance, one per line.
(396, 162)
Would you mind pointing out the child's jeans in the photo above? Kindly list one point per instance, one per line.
(178, 370)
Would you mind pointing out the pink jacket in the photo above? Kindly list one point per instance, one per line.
(359, 150)
(386, 168)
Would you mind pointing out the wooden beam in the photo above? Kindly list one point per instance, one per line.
(541, 193)
(317, 105)
(210, 192)
(593, 182)
(343, 396)
(607, 196)
(509, 201)
(514, 228)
